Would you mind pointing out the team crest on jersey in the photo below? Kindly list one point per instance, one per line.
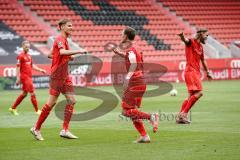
(60, 45)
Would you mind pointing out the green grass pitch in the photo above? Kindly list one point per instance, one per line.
(213, 135)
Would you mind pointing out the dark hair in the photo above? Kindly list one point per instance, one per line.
(130, 33)
(202, 30)
(63, 22)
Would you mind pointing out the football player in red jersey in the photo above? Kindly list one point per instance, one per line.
(194, 55)
(60, 82)
(134, 85)
(24, 76)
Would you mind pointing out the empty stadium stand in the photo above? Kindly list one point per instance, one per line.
(10, 47)
(12, 15)
(221, 17)
(99, 22)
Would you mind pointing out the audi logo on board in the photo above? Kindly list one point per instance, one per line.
(235, 64)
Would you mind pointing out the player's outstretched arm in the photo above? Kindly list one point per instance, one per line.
(77, 55)
(185, 40)
(72, 52)
(71, 58)
(204, 64)
(118, 52)
(35, 67)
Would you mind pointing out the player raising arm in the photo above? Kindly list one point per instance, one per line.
(60, 81)
(194, 54)
(24, 77)
(134, 86)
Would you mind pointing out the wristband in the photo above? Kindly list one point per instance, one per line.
(127, 77)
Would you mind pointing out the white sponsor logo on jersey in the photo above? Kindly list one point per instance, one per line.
(60, 45)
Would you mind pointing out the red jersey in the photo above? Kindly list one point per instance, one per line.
(194, 53)
(24, 61)
(59, 68)
(138, 73)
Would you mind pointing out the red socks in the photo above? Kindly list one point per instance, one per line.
(45, 112)
(136, 114)
(21, 97)
(18, 101)
(67, 116)
(34, 102)
(185, 102)
(190, 103)
(140, 127)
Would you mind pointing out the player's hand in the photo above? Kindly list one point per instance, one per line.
(43, 71)
(116, 50)
(109, 47)
(83, 51)
(71, 58)
(180, 34)
(18, 81)
(50, 56)
(209, 76)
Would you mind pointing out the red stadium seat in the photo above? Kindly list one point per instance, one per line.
(19, 21)
(220, 17)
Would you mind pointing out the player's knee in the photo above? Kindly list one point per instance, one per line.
(129, 113)
(199, 94)
(126, 105)
(51, 105)
(125, 112)
(71, 101)
(24, 94)
(33, 94)
(51, 102)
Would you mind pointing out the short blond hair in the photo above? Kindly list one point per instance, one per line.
(25, 42)
(62, 22)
